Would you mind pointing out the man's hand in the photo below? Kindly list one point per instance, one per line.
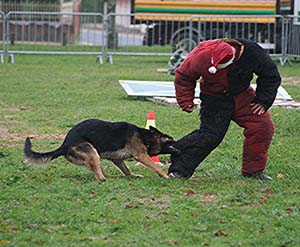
(188, 108)
(258, 109)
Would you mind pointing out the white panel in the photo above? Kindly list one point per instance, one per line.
(166, 89)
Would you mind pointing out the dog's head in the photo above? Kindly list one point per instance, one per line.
(160, 143)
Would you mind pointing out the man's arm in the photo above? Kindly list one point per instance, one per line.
(185, 80)
(268, 80)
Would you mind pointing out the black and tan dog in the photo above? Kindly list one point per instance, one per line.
(91, 140)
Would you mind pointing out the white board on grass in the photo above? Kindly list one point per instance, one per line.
(150, 88)
(166, 89)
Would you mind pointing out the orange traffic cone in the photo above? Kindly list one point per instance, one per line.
(151, 122)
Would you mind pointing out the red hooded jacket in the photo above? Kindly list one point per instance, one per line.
(249, 58)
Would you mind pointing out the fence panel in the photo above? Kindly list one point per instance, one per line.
(163, 34)
(265, 30)
(138, 34)
(142, 34)
(293, 36)
(55, 33)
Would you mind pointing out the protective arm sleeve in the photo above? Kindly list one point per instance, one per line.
(268, 79)
(186, 77)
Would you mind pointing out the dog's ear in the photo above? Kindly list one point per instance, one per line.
(154, 130)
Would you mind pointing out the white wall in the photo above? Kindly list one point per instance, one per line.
(123, 7)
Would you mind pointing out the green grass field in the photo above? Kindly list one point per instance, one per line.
(62, 205)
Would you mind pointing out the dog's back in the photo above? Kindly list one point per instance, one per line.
(104, 136)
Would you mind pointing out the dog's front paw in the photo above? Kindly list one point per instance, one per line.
(164, 175)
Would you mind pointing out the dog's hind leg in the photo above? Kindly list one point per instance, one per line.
(85, 154)
(122, 166)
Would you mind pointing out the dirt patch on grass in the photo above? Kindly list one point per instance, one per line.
(11, 137)
(19, 137)
(295, 81)
(9, 123)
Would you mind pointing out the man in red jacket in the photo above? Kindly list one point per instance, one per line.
(225, 68)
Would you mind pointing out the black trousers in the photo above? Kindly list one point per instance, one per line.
(215, 115)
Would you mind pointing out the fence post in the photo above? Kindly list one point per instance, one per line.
(105, 28)
(108, 40)
(285, 32)
(5, 35)
(190, 33)
(3, 25)
(6, 39)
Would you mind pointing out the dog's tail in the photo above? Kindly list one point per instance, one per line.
(40, 158)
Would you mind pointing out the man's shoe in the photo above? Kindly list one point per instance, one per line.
(260, 176)
(176, 175)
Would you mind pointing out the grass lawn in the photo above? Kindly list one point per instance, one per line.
(62, 205)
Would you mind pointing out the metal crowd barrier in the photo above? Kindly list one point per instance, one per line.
(266, 30)
(169, 32)
(293, 36)
(139, 34)
(54, 33)
(132, 31)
